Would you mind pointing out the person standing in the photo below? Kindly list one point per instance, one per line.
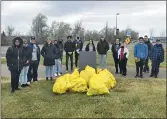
(61, 46)
(114, 49)
(149, 45)
(48, 53)
(156, 57)
(69, 49)
(34, 63)
(102, 48)
(140, 54)
(90, 46)
(15, 60)
(123, 54)
(27, 58)
(58, 64)
(78, 48)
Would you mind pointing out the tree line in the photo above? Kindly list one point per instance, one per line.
(42, 31)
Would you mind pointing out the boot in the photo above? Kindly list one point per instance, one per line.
(47, 78)
(51, 78)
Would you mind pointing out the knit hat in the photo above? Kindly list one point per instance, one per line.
(141, 38)
(69, 36)
(157, 40)
(32, 38)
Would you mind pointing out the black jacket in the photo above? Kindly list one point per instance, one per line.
(38, 51)
(15, 56)
(114, 51)
(102, 47)
(87, 47)
(78, 45)
(57, 51)
(48, 52)
(28, 55)
(69, 46)
(61, 45)
(149, 45)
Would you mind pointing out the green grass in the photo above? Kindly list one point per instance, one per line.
(129, 99)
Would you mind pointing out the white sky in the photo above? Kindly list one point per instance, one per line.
(139, 15)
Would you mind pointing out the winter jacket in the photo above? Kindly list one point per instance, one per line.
(157, 53)
(141, 51)
(61, 45)
(38, 51)
(102, 47)
(49, 54)
(69, 46)
(87, 47)
(15, 56)
(114, 49)
(57, 51)
(149, 45)
(126, 53)
(28, 55)
(78, 45)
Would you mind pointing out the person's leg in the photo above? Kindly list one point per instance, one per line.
(157, 69)
(59, 66)
(56, 67)
(141, 68)
(100, 61)
(13, 80)
(153, 69)
(67, 58)
(35, 71)
(71, 58)
(104, 61)
(21, 77)
(124, 67)
(17, 80)
(47, 72)
(116, 64)
(76, 58)
(137, 69)
(29, 75)
(146, 68)
(26, 71)
(51, 72)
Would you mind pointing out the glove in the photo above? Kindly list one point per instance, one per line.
(137, 59)
(77, 51)
(69, 53)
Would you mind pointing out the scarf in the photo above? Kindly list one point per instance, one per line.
(122, 53)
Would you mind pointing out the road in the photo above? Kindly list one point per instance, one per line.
(130, 72)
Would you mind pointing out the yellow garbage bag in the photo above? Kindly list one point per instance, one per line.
(98, 70)
(78, 85)
(75, 74)
(96, 86)
(113, 81)
(62, 84)
(105, 79)
(86, 75)
(90, 69)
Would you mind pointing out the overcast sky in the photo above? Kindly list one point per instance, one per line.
(139, 15)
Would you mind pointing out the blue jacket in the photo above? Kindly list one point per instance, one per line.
(141, 51)
(157, 53)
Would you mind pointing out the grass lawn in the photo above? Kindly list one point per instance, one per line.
(129, 99)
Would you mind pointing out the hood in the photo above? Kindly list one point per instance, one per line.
(158, 45)
(20, 40)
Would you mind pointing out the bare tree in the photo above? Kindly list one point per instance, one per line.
(40, 28)
(10, 30)
(78, 29)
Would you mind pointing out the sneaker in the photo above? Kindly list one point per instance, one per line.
(59, 74)
(136, 76)
(55, 74)
(23, 85)
(156, 77)
(35, 81)
(51, 78)
(47, 78)
(151, 75)
(141, 76)
(18, 89)
(28, 83)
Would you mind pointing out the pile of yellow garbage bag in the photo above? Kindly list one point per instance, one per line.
(92, 81)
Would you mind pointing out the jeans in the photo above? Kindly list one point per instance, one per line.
(49, 71)
(102, 61)
(76, 59)
(116, 61)
(155, 67)
(58, 66)
(23, 75)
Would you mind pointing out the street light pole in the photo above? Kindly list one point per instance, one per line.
(116, 23)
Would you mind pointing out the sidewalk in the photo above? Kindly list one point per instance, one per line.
(130, 73)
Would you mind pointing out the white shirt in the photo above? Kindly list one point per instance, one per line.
(125, 51)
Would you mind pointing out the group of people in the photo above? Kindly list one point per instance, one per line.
(23, 58)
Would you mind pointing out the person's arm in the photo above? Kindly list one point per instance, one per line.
(107, 46)
(151, 53)
(146, 50)
(135, 51)
(81, 46)
(127, 53)
(43, 51)
(65, 47)
(94, 49)
(29, 54)
(87, 47)
(98, 47)
(8, 57)
(162, 54)
(112, 48)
